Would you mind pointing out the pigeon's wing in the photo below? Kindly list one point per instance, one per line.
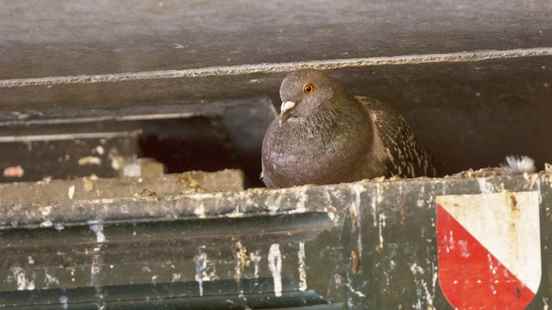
(405, 157)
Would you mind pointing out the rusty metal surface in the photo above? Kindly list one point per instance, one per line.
(367, 244)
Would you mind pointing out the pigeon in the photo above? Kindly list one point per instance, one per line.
(323, 135)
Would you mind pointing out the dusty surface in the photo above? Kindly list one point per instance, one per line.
(62, 192)
(78, 37)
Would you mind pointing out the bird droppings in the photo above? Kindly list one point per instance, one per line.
(23, 281)
(250, 262)
(117, 162)
(200, 211)
(59, 226)
(71, 192)
(485, 187)
(90, 161)
(99, 150)
(88, 183)
(46, 223)
(275, 267)
(45, 211)
(301, 203)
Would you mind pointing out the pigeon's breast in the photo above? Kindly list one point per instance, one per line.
(298, 154)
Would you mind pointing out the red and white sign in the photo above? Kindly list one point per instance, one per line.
(489, 250)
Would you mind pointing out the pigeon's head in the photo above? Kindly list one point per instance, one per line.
(303, 92)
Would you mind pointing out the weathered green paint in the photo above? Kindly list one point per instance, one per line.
(388, 225)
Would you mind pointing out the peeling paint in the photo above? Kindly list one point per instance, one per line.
(356, 214)
(302, 202)
(273, 203)
(422, 289)
(463, 244)
(356, 292)
(95, 271)
(374, 203)
(97, 228)
(416, 269)
(381, 225)
(203, 272)
(95, 268)
(302, 266)
(64, 301)
(50, 280)
(330, 209)
(256, 258)
(420, 202)
(275, 266)
(176, 277)
(241, 260)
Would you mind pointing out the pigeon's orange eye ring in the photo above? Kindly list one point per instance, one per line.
(308, 88)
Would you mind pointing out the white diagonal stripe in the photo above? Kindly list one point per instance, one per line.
(507, 225)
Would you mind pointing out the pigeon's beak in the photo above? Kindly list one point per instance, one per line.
(285, 110)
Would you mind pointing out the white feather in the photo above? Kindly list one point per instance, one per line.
(519, 164)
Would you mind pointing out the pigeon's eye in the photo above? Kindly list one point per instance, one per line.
(308, 88)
